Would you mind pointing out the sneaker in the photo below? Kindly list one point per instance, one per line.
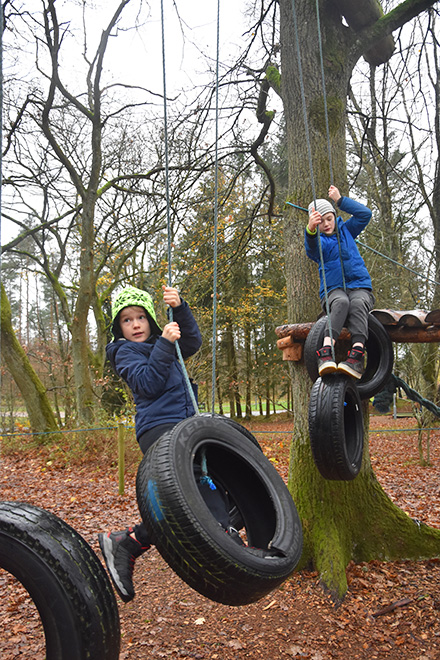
(120, 551)
(326, 363)
(354, 364)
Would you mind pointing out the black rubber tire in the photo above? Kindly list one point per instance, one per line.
(187, 535)
(235, 518)
(235, 425)
(379, 355)
(65, 580)
(336, 427)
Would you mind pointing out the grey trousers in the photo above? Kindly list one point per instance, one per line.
(349, 308)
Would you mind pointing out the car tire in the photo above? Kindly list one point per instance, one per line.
(379, 355)
(187, 535)
(65, 580)
(336, 427)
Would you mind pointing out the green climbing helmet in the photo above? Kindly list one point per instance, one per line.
(133, 297)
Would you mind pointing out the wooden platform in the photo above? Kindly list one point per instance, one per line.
(416, 326)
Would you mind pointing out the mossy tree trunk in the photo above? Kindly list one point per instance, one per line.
(342, 521)
(39, 410)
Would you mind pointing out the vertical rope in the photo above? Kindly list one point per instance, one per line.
(165, 122)
(309, 153)
(214, 303)
(167, 189)
(327, 129)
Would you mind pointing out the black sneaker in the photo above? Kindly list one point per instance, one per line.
(120, 551)
(326, 363)
(354, 364)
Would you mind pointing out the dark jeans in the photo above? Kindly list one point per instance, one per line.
(216, 500)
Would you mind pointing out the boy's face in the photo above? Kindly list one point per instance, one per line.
(134, 323)
(327, 225)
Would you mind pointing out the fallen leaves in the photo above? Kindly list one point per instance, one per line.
(391, 611)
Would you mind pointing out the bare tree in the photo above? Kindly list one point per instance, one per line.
(355, 520)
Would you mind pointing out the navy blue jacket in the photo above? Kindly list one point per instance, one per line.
(153, 372)
(355, 271)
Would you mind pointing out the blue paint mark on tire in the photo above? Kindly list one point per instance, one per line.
(153, 501)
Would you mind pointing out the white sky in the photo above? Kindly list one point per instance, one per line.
(136, 55)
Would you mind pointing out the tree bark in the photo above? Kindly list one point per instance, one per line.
(342, 521)
(39, 410)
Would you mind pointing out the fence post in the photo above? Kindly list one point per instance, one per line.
(121, 456)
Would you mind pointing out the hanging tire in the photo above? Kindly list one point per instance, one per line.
(65, 580)
(235, 425)
(378, 362)
(235, 518)
(186, 534)
(336, 427)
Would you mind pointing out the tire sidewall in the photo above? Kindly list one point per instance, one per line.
(336, 427)
(169, 464)
(379, 359)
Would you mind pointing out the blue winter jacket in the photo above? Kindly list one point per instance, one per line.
(153, 372)
(355, 271)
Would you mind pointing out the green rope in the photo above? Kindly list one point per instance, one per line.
(383, 399)
(167, 189)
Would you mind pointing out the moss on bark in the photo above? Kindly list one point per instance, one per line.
(41, 416)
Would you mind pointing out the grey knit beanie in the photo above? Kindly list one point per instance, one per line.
(322, 206)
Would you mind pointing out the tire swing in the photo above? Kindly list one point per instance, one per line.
(185, 532)
(235, 518)
(336, 427)
(379, 355)
(65, 580)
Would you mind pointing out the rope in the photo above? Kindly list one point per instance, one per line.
(327, 130)
(214, 300)
(427, 279)
(167, 189)
(312, 177)
(385, 397)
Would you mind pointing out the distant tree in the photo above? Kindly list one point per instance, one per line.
(41, 417)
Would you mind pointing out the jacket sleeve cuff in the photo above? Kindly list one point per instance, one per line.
(311, 233)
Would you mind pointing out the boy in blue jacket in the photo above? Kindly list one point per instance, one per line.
(145, 357)
(351, 305)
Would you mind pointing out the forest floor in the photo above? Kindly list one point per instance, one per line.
(391, 610)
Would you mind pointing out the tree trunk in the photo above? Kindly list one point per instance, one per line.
(41, 417)
(342, 521)
(247, 346)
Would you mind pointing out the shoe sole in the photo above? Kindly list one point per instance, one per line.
(345, 369)
(106, 546)
(329, 368)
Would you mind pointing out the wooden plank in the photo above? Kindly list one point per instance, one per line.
(293, 353)
(285, 342)
(295, 330)
(401, 333)
(433, 317)
(414, 318)
(387, 316)
(415, 332)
